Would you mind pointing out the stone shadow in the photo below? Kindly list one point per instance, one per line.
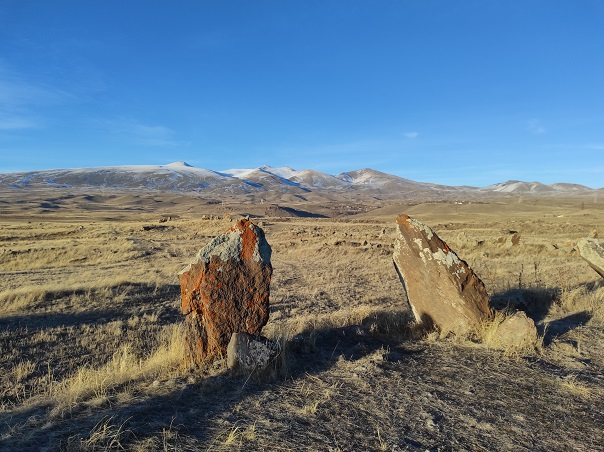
(190, 409)
(558, 327)
(537, 302)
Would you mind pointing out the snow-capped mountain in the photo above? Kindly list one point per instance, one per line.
(515, 186)
(182, 177)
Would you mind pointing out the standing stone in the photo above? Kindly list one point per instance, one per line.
(225, 290)
(442, 289)
(592, 250)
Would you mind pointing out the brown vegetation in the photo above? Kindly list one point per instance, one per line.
(91, 343)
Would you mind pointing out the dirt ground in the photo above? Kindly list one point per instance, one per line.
(89, 329)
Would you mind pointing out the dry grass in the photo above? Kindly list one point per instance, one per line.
(489, 335)
(91, 353)
(96, 385)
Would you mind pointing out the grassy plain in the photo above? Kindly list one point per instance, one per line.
(90, 330)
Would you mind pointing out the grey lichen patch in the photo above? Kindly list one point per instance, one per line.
(446, 258)
(225, 247)
(418, 225)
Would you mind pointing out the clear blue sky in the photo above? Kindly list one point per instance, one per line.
(454, 92)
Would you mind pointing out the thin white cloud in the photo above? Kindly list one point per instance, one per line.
(411, 134)
(595, 146)
(143, 134)
(17, 122)
(22, 100)
(534, 126)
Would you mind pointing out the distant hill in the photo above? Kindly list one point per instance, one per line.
(266, 183)
(515, 186)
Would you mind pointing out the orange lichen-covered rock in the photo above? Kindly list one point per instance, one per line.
(225, 290)
(442, 289)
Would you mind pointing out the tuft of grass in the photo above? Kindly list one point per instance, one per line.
(585, 298)
(105, 436)
(97, 384)
(572, 384)
(488, 334)
(23, 370)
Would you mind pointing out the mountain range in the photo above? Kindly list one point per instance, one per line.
(265, 180)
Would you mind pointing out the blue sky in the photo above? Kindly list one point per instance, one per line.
(453, 92)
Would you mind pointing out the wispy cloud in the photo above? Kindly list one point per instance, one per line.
(141, 133)
(595, 146)
(17, 122)
(534, 126)
(22, 100)
(411, 134)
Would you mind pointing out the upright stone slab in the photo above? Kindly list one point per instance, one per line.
(441, 288)
(592, 250)
(225, 290)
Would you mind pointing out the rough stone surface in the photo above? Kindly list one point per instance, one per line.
(441, 288)
(517, 331)
(248, 353)
(225, 290)
(592, 250)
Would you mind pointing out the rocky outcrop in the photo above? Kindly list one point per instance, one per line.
(248, 353)
(592, 250)
(442, 289)
(225, 290)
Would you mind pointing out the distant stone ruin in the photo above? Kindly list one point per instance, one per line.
(442, 289)
(225, 290)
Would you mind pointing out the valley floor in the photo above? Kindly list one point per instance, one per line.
(90, 332)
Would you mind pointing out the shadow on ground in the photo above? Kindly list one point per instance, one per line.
(190, 405)
(138, 297)
(538, 304)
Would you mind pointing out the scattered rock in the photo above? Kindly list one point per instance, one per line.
(248, 353)
(516, 332)
(512, 240)
(592, 250)
(225, 290)
(441, 288)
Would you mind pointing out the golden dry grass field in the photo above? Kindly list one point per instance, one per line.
(90, 343)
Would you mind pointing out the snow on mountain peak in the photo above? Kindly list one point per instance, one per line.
(179, 164)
